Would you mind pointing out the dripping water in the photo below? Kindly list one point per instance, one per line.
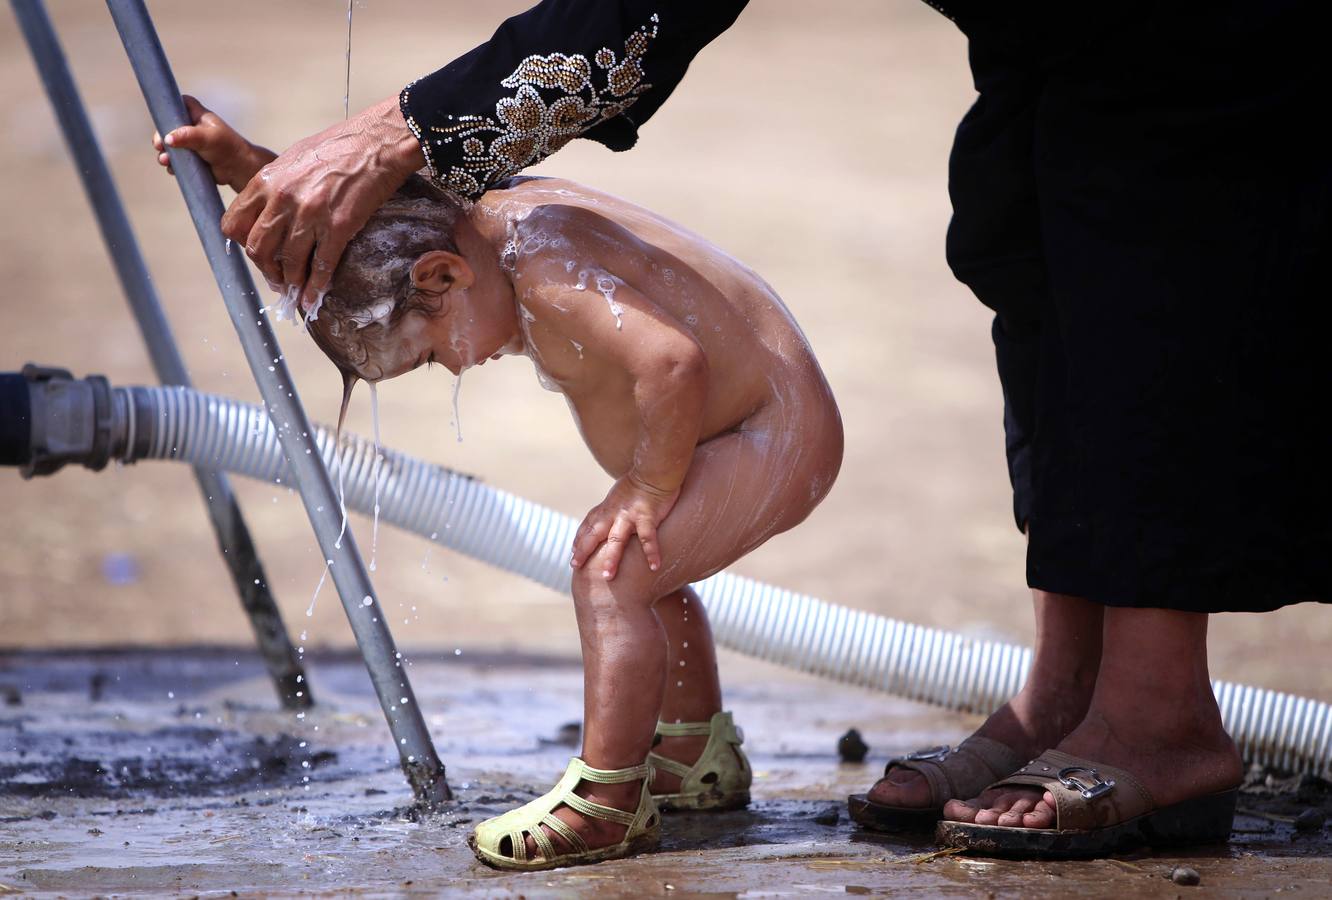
(377, 471)
(348, 382)
(318, 587)
(457, 417)
(346, 94)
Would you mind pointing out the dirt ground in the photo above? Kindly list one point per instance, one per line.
(178, 777)
(812, 142)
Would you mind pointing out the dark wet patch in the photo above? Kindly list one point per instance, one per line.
(188, 761)
(1283, 814)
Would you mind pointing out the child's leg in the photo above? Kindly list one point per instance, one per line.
(693, 691)
(743, 487)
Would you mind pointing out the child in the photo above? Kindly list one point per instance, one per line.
(693, 388)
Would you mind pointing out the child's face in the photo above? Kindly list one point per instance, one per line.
(440, 323)
(369, 348)
(409, 345)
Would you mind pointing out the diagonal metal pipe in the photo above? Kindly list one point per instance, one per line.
(417, 754)
(233, 536)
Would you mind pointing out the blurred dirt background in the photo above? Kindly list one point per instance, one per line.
(811, 141)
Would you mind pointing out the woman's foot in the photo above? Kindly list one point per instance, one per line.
(1175, 763)
(1033, 721)
(1050, 705)
(1153, 715)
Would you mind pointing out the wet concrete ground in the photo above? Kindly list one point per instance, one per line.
(173, 772)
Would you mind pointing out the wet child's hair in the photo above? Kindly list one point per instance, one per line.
(372, 287)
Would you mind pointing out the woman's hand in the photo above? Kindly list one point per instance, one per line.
(233, 159)
(296, 216)
(629, 509)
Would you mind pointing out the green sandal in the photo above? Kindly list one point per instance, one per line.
(644, 824)
(721, 777)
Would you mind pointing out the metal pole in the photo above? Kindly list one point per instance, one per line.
(233, 537)
(424, 771)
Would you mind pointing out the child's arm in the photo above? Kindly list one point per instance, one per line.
(669, 371)
(233, 159)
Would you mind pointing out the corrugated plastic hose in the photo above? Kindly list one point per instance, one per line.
(795, 630)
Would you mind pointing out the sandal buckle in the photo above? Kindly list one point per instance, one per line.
(934, 754)
(1098, 787)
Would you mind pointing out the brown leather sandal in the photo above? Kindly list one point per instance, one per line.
(952, 773)
(1098, 810)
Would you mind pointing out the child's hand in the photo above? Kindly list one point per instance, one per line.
(629, 509)
(233, 159)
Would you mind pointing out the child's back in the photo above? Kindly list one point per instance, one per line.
(575, 252)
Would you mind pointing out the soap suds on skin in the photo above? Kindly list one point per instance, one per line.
(313, 312)
(606, 285)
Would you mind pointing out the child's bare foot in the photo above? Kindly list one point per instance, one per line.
(1153, 715)
(1050, 705)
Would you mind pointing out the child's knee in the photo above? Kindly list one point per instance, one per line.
(628, 590)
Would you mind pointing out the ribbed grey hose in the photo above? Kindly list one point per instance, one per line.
(911, 661)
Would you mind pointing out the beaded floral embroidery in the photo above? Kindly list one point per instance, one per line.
(558, 96)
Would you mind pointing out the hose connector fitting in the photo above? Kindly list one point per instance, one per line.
(73, 420)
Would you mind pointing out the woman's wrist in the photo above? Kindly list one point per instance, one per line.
(400, 151)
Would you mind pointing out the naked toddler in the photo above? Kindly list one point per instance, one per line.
(693, 388)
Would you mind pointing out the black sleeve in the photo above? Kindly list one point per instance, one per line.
(561, 70)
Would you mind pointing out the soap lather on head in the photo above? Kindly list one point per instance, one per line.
(374, 322)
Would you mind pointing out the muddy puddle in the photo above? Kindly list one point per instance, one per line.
(174, 773)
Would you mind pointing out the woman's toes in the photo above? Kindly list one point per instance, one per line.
(1020, 807)
(1042, 814)
(987, 815)
(994, 806)
(959, 811)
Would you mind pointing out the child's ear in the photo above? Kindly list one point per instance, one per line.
(439, 270)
